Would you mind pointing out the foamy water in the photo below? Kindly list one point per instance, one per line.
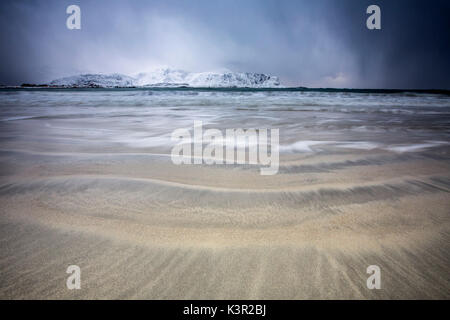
(135, 119)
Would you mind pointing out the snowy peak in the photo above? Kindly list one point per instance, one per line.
(161, 76)
(230, 79)
(207, 79)
(169, 77)
(95, 80)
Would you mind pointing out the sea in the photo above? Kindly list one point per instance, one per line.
(97, 120)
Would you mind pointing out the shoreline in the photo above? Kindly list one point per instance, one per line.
(234, 89)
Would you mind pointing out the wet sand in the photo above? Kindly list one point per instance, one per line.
(140, 227)
(86, 179)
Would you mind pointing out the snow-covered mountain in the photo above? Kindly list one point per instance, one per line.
(95, 80)
(169, 77)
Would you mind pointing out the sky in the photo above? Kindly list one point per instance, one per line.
(321, 43)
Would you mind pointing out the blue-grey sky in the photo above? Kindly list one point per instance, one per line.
(321, 43)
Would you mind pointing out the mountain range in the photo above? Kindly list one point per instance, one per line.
(166, 77)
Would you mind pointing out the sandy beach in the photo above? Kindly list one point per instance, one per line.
(141, 227)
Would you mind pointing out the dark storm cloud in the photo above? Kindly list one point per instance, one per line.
(310, 43)
(411, 51)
